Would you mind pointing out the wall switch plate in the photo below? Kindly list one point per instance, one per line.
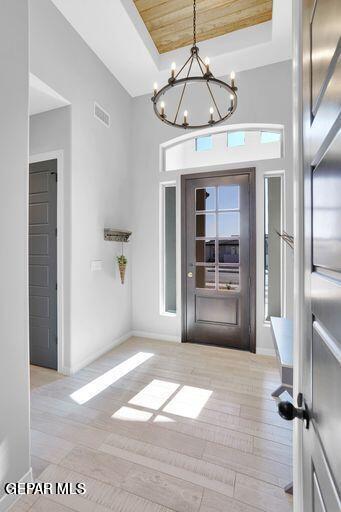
(96, 265)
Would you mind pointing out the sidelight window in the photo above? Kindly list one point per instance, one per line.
(273, 246)
(168, 248)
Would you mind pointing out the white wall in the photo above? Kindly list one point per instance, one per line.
(14, 379)
(264, 96)
(99, 181)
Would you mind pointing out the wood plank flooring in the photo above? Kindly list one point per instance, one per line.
(187, 428)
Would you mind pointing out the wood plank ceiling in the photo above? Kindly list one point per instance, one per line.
(170, 22)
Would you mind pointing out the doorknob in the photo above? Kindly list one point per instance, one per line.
(288, 412)
(190, 274)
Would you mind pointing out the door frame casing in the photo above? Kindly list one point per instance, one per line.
(251, 172)
(59, 156)
(299, 246)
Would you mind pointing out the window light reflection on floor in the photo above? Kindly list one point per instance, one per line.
(96, 386)
(131, 414)
(163, 419)
(155, 394)
(188, 402)
(167, 398)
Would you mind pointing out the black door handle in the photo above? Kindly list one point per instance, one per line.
(288, 412)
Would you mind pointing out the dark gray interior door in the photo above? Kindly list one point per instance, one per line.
(43, 263)
(322, 182)
(217, 240)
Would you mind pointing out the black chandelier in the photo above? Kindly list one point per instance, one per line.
(206, 78)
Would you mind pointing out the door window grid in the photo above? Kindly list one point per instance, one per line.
(211, 272)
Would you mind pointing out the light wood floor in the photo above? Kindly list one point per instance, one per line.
(159, 427)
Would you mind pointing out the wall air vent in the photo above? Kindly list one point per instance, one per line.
(101, 115)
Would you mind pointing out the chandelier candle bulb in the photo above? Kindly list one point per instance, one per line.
(211, 114)
(162, 105)
(155, 88)
(185, 117)
(232, 99)
(173, 69)
(207, 64)
(233, 76)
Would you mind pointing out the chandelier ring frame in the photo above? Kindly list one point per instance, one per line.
(176, 82)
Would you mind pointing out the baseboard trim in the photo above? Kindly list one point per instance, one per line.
(265, 351)
(95, 355)
(8, 500)
(156, 336)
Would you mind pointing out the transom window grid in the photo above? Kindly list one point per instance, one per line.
(203, 143)
(235, 139)
(217, 238)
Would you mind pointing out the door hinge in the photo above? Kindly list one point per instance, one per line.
(56, 286)
(56, 231)
(56, 340)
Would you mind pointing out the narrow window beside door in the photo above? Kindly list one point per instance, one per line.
(168, 249)
(272, 246)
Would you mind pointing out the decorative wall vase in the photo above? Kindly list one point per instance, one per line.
(122, 265)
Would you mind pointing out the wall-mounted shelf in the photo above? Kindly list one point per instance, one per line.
(116, 235)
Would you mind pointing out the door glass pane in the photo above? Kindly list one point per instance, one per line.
(205, 198)
(228, 251)
(228, 224)
(228, 197)
(205, 251)
(206, 225)
(205, 277)
(228, 277)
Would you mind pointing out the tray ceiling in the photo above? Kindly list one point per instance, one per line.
(170, 23)
(115, 31)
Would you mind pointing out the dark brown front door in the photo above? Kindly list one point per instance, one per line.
(321, 344)
(217, 244)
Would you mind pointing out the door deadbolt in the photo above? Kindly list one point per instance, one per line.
(190, 274)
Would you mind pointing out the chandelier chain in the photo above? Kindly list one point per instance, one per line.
(194, 23)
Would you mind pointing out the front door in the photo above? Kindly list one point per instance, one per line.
(43, 263)
(217, 244)
(321, 353)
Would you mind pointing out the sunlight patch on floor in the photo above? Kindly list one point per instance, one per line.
(96, 386)
(163, 419)
(160, 398)
(131, 414)
(155, 394)
(188, 402)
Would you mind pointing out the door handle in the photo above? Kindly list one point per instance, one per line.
(190, 274)
(288, 412)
